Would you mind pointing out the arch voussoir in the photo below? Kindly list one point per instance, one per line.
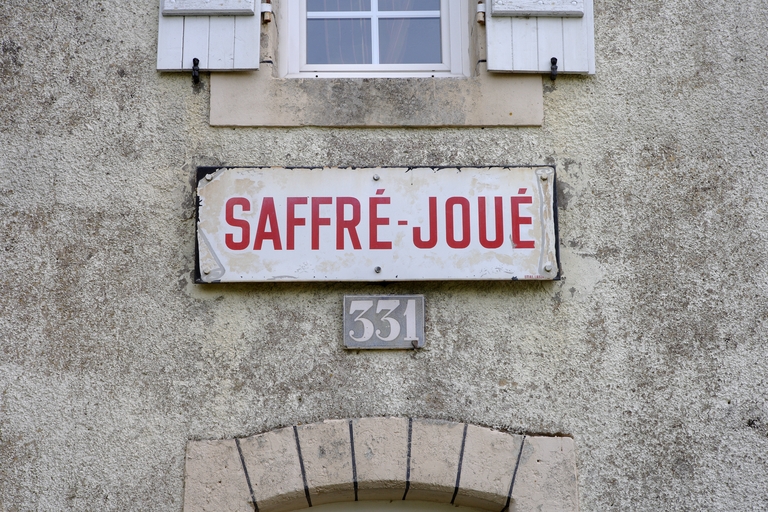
(381, 459)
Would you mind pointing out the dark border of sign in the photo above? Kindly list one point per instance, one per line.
(205, 170)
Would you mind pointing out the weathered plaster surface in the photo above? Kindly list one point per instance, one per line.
(651, 352)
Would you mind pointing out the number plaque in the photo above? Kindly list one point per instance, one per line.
(383, 321)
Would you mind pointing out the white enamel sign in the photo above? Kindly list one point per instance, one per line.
(376, 224)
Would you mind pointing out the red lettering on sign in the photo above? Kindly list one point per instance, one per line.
(350, 225)
(267, 214)
(431, 242)
(499, 221)
(317, 220)
(517, 221)
(374, 221)
(450, 228)
(293, 221)
(344, 215)
(245, 228)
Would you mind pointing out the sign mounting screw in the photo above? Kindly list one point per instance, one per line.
(543, 177)
(548, 267)
(375, 177)
(377, 270)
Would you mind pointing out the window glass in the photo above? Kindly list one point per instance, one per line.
(363, 32)
(409, 41)
(339, 41)
(338, 5)
(409, 5)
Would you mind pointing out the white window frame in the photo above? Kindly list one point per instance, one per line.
(454, 31)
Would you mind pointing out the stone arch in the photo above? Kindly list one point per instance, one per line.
(381, 459)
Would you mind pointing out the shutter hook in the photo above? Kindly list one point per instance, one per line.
(553, 69)
(196, 70)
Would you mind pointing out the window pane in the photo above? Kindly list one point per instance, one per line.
(409, 5)
(409, 41)
(338, 5)
(339, 41)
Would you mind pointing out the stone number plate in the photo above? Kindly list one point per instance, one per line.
(383, 321)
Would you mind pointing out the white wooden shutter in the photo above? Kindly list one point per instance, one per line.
(222, 34)
(524, 35)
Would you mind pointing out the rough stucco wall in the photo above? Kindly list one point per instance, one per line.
(650, 353)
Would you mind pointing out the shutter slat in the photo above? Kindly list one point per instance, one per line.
(196, 30)
(555, 8)
(170, 42)
(247, 44)
(550, 37)
(221, 42)
(208, 7)
(500, 46)
(526, 45)
(589, 21)
(575, 42)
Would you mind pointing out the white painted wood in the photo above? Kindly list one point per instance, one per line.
(575, 46)
(209, 7)
(221, 42)
(292, 16)
(196, 31)
(247, 44)
(550, 41)
(462, 66)
(170, 39)
(589, 20)
(552, 8)
(533, 41)
(376, 14)
(452, 44)
(525, 43)
(499, 44)
(300, 26)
